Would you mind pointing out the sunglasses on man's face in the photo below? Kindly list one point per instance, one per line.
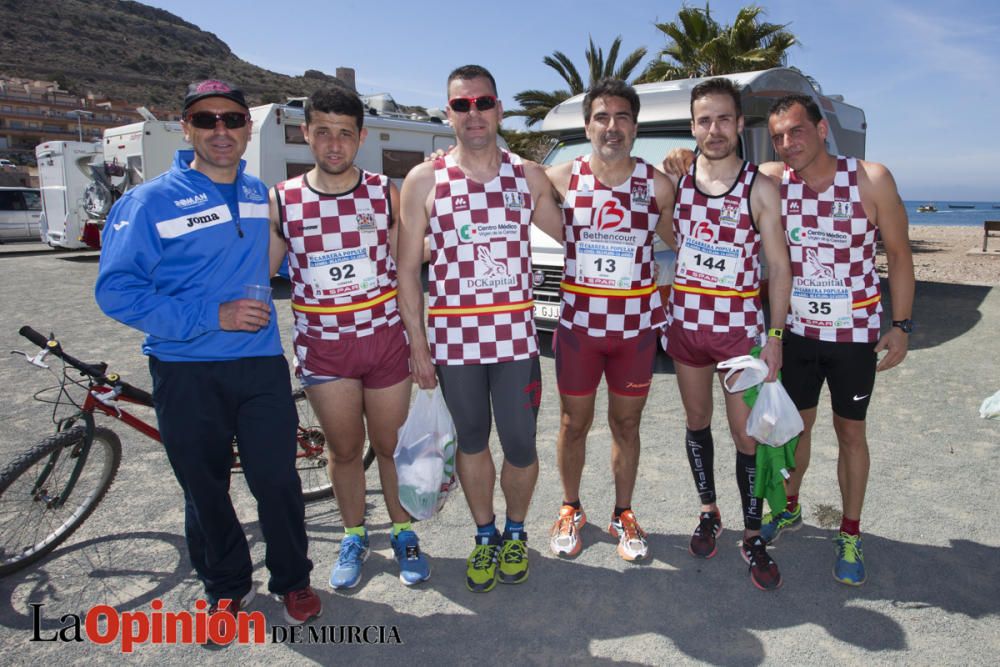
(206, 120)
(463, 104)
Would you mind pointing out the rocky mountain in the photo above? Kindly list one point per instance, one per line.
(127, 50)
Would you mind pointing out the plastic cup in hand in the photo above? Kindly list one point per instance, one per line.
(257, 292)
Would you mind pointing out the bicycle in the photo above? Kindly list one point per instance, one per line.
(47, 492)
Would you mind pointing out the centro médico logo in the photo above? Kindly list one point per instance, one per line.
(188, 202)
(103, 625)
(798, 234)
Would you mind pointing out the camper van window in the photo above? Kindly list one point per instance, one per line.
(293, 135)
(397, 164)
(33, 200)
(650, 148)
(11, 200)
(293, 169)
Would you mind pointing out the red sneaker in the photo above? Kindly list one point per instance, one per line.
(302, 605)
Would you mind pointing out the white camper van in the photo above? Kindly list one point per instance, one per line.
(665, 123)
(276, 151)
(63, 176)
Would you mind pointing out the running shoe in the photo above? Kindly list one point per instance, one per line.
(763, 570)
(772, 525)
(565, 536)
(231, 607)
(301, 605)
(704, 537)
(353, 553)
(513, 558)
(481, 566)
(413, 565)
(631, 538)
(850, 566)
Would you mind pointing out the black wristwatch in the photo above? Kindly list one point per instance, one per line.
(906, 325)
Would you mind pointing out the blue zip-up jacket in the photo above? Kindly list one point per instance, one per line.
(172, 253)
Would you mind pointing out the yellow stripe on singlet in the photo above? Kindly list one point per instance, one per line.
(867, 302)
(455, 311)
(602, 291)
(717, 292)
(350, 307)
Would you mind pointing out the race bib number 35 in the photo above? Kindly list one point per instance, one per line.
(823, 306)
(607, 265)
(342, 272)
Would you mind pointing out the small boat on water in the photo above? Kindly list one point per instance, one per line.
(927, 208)
(961, 206)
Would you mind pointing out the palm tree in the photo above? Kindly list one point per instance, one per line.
(700, 46)
(536, 103)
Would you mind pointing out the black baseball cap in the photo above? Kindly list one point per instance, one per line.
(213, 88)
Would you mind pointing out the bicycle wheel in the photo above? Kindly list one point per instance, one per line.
(312, 457)
(31, 522)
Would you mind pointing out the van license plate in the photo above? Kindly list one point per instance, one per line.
(546, 311)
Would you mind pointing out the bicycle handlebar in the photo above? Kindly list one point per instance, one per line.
(95, 371)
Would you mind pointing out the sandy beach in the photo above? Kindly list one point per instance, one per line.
(941, 255)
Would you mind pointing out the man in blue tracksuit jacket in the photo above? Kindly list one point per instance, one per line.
(177, 254)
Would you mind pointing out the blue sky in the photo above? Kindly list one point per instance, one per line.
(927, 74)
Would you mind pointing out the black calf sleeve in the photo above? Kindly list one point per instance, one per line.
(746, 469)
(700, 451)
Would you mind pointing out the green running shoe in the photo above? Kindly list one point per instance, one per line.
(514, 558)
(772, 525)
(850, 566)
(481, 567)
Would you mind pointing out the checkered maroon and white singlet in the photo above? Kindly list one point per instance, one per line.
(349, 291)
(832, 245)
(609, 288)
(717, 280)
(480, 308)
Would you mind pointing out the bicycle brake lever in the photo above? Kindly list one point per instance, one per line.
(35, 360)
(110, 401)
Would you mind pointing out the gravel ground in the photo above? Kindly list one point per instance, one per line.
(953, 255)
(932, 542)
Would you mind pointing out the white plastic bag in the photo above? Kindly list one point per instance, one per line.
(990, 409)
(754, 372)
(774, 419)
(425, 455)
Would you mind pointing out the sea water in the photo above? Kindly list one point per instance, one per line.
(953, 217)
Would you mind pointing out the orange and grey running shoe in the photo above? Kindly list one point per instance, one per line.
(565, 537)
(631, 538)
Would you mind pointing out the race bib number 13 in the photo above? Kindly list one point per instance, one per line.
(607, 265)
